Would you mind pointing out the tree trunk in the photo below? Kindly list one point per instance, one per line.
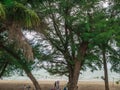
(16, 35)
(3, 69)
(74, 79)
(77, 67)
(34, 81)
(105, 71)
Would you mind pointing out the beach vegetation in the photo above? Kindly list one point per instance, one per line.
(15, 17)
(76, 30)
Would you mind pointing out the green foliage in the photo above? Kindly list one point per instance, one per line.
(15, 65)
(114, 59)
(11, 67)
(22, 15)
(2, 12)
(19, 16)
(70, 23)
(18, 13)
(41, 56)
(57, 70)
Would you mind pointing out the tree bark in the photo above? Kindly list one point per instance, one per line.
(77, 67)
(74, 80)
(105, 71)
(34, 81)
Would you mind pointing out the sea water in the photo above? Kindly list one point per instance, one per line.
(41, 74)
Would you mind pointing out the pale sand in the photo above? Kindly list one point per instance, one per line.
(46, 85)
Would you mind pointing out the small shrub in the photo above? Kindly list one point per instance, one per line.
(117, 82)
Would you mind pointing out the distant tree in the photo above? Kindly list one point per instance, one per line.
(106, 39)
(115, 58)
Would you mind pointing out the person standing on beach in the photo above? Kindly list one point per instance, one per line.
(56, 86)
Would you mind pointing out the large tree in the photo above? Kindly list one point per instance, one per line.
(72, 27)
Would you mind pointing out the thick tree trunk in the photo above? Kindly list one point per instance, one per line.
(15, 34)
(77, 67)
(105, 71)
(34, 81)
(73, 80)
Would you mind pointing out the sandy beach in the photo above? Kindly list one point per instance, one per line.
(47, 85)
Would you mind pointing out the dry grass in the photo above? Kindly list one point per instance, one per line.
(46, 85)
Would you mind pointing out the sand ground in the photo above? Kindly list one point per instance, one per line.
(47, 85)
